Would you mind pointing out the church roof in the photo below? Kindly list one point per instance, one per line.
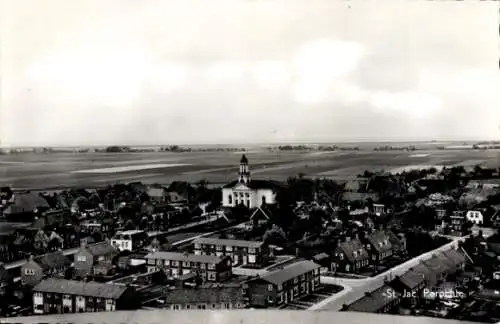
(244, 159)
(256, 184)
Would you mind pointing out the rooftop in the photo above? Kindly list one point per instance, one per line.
(131, 232)
(238, 243)
(296, 269)
(375, 301)
(184, 257)
(80, 288)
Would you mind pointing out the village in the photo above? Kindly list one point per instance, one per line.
(421, 242)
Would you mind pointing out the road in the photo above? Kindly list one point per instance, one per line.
(354, 289)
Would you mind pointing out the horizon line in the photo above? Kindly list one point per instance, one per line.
(243, 144)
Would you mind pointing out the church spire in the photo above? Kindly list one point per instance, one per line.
(244, 173)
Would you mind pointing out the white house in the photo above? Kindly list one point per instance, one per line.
(475, 216)
(130, 240)
(251, 193)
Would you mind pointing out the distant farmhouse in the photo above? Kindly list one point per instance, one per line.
(244, 191)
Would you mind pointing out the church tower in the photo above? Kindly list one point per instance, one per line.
(244, 173)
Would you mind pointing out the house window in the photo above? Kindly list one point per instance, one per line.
(214, 306)
(82, 258)
(29, 272)
(270, 287)
(355, 253)
(176, 307)
(247, 194)
(263, 200)
(270, 299)
(211, 266)
(341, 256)
(230, 199)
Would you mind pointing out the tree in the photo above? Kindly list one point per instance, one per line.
(275, 235)
(196, 212)
(158, 278)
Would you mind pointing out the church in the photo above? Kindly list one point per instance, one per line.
(251, 193)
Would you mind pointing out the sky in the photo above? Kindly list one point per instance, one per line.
(102, 72)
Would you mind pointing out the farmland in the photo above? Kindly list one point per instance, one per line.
(40, 171)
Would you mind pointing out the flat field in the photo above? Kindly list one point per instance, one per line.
(39, 171)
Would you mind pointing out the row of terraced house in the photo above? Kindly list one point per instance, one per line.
(365, 249)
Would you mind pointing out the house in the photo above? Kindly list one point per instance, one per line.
(248, 192)
(360, 196)
(69, 296)
(379, 246)
(440, 213)
(241, 252)
(379, 209)
(359, 190)
(51, 217)
(398, 242)
(130, 240)
(89, 257)
(495, 218)
(324, 260)
(25, 206)
(50, 264)
(357, 185)
(174, 264)
(207, 296)
(282, 286)
(411, 283)
(440, 267)
(475, 217)
(5, 280)
(174, 197)
(262, 215)
(457, 221)
(458, 259)
(381, 300)
(157, 194)
(350, 256)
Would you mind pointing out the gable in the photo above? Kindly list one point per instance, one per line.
(84, 252)
(31, 265)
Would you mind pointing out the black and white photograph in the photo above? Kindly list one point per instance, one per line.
(249, 161)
